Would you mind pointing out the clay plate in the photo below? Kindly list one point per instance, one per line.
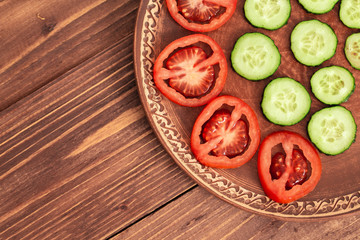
(337, 193)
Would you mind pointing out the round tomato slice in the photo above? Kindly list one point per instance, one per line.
(201, 15)
(226, 133)
(289, 167)
(185, 74)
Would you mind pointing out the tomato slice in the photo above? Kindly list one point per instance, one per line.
(201, 15)
(226, 133)
(185, 74)
(289, 167)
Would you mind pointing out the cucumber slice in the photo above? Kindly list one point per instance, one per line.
(350, 13)
(332, 130)
(332, 85)
(318, 6)
(268, 14)
(313, 42)
(255, 56)
(285, 101)
(352, 50)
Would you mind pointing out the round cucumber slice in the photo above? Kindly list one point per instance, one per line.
(267, 14)
(332, 85)
(285, 101)
(255, 56)
(313, 42)
(350, 13)
(318, 6)
(352, 50)
(332, 130)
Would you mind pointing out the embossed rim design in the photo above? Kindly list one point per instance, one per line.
(166, 130)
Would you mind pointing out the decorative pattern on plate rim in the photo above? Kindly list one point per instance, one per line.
(208, 177)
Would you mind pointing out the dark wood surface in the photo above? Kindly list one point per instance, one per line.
(78, 158)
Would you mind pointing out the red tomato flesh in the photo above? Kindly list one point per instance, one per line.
(198, 10)
(193, 81)
(299, 167)
(234, 138)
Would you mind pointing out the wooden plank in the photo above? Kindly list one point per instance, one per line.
(78, 159)
(41, 40)
(200, 215)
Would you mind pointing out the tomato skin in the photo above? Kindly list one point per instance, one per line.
(160, 73)
(275, 189)
(201, 150)
(214, 24)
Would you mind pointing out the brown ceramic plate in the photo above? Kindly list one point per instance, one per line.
(337, 193)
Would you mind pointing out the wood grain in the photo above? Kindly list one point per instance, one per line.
(42, 40)
(78, 158)
(199, 215)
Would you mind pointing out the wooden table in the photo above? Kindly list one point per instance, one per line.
(78, 158)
